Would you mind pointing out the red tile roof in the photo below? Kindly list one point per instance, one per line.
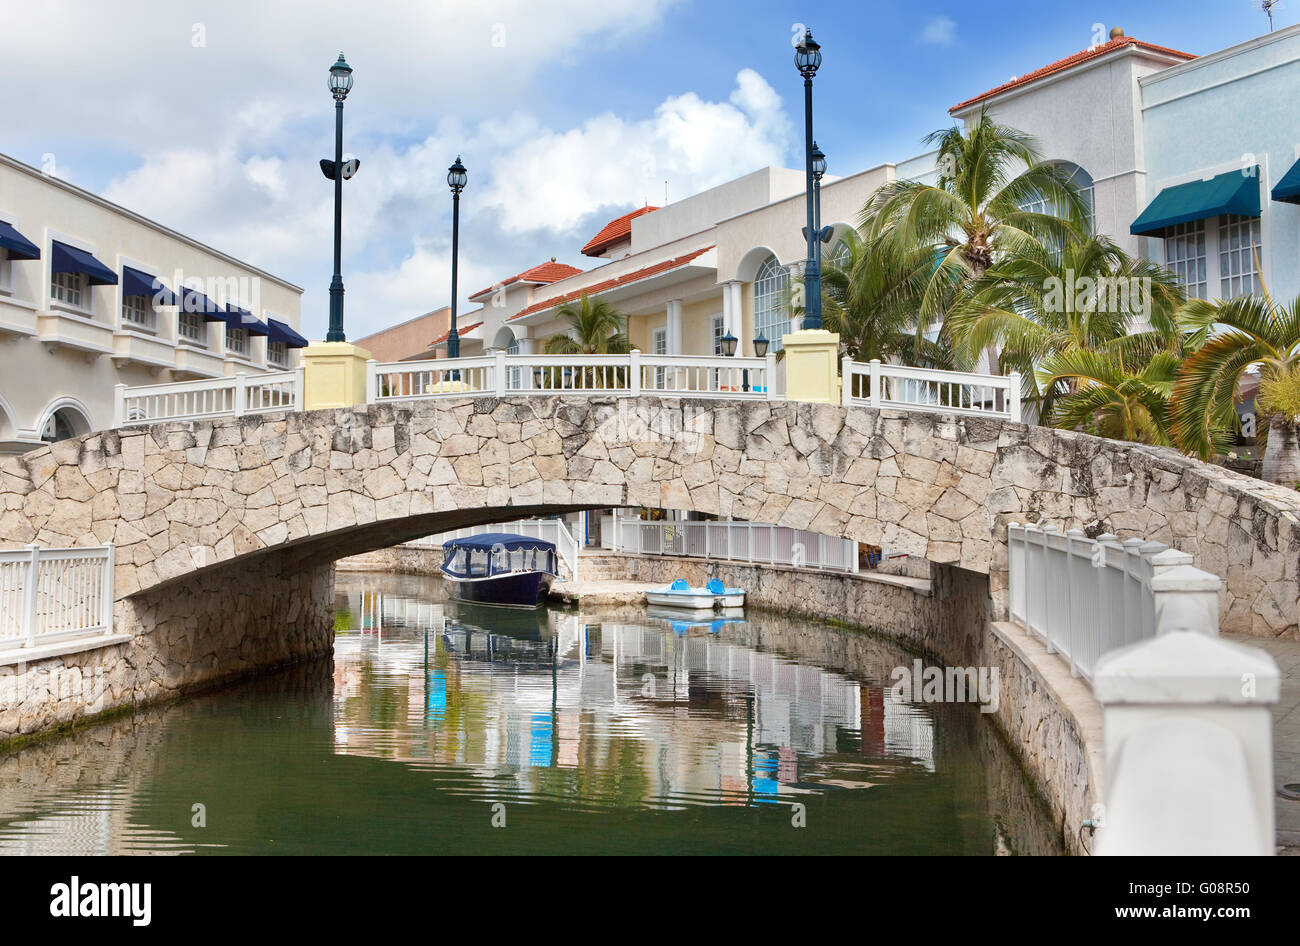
(460, 330)
(644, 273)
(1069, 62)
(547, 272)
(620, 228)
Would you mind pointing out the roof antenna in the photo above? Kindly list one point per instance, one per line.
(665, 193)
(1267, 6)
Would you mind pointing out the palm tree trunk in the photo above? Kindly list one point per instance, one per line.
(1282, 455)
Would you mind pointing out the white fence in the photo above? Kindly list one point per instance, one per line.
(751, 542)
(196, 400)
(49, 595)
(630, 375)
(549, 530)
(927, 389)
(1086, 597)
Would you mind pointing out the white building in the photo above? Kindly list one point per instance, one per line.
(92, 295)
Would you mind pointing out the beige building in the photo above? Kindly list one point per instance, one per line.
(408, 340)
(93, 295)
(688, 273)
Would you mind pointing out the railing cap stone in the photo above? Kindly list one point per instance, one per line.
(1186, 667)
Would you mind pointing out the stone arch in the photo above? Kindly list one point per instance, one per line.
(8, 420)
(749, 265)
(504, 338)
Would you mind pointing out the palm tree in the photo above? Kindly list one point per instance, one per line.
(1104, 396)
(974, 214)
(595, 328)
(867, 299)
(1243, 333)
(1085, 295)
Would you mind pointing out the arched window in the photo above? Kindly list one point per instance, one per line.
(771, 318)
(63, 423)
(838, 256)
(1081, 179)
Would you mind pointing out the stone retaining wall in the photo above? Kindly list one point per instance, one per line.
(217, 626)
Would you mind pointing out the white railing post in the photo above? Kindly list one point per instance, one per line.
(241, 393)
(1013, 396)
(300, 387)
(1186, 599)
(499, 370)
(372, 381)
(846, 381)
(107, 590)
(634, 380)
(1071, 635)
(769, 376)
(873, 391)
(29, 594)
(119, 404)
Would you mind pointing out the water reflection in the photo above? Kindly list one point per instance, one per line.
(599, 732)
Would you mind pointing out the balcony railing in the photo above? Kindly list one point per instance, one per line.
(53, 595)
(926, 389)
(198, 400)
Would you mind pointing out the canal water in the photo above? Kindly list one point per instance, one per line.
(445, 728)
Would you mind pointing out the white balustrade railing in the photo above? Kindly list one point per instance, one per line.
(549, 530)
(750, 542)
(218, 397)
(50, 595)
(630, 375)
(928, 389)
(1085, 596)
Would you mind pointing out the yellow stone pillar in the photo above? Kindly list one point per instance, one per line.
(334, 375)
(812, 359)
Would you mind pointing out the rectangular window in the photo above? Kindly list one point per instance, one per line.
(1239, 250)
(659, 343)
(1185, 256)
(191, 328)
(719, 331)
(237, 340)
(138, 312)
(68, 288)
(277, 353)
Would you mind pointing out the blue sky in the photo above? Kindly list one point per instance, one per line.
(211, 117)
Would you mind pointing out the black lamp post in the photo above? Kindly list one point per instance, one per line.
(760, 350)
(456, 178)
(340, 85)
(818, 169)
(808, 58)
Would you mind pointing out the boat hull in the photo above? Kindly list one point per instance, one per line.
(514, 590)
(670, 599)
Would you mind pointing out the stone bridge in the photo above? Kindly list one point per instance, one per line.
(225, 529)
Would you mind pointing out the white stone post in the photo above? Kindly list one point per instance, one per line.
(119, 404)
(499, 371)
(1013, 395)
(108, 590)
(846, 381)
(241, 393)
(29, 593)
(769, 376)
(874, 391)
(634, 381)
(1188, 747)
(300, 386)
(372, 381)
(1186, 598)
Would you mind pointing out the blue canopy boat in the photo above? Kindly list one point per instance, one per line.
(500, 568)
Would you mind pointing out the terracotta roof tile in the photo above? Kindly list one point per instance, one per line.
(1070, 61)
(547, 272)
(460, 330)
(644, 273)
(619, 228)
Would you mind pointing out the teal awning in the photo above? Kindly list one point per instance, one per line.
(1233, 192)
(1288, 189)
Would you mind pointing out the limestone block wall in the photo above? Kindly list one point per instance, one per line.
(217, 626)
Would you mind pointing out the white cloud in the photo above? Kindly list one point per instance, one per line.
(552, 179)
(939, 31)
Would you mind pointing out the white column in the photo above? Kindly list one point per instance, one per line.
(526, 345)
(675, 327)
(734, 319)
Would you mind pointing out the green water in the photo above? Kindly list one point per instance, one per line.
(440, 728)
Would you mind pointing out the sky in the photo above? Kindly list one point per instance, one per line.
(211, 117)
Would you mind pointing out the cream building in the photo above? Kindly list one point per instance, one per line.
(686, 274)
(93, 295)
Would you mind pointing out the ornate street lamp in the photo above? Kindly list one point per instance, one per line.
(808, 58)
(456, 179)
(818, 169)
(760, 346)
(728, 344)
(340, 84)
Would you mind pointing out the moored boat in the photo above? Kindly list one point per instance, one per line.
(500, 568)
(680, 594)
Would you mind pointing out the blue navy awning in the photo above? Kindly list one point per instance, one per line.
(492, 540)
(242, 318)
(1233, 192)
(1288, 189)
(69, 259)
(279, 332)
(137, 283)
(17, 245)
(191, 300)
